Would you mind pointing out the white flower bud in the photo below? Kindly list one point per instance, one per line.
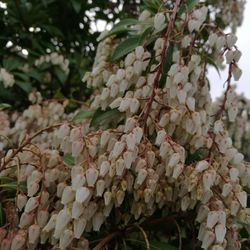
(208, 239)
(139, 51)
(104, 168)
(174, 159)
(65, 239)
(125, 104)
(60, 188)
(142, 174)
(79, 226)
(129, 60)
(91, 176)
(159, 20)
(75, 134)
(186, 41)
(34, 233)
(201, 166)
(231, 40)
(134, 105)
(51, 223)
(98, 220)
(120, 166)
(218, 127)
(78, 181)
(234, 173)
(100, 186)
(42, 218)
(237, 55)
(227, 188)
(5, 244)
(105, 94)
(212, 39)
(242, 198)
(131, 141)
(120, 74)
(238, 158)
(63, 218)
(212, 219)
(182, 95)
(63, 131)
(105, 138)
(107, 198)
(202, 213)
(31, 204)
(77, 147)
(220, 43)
(82, 194)
(26, 219)
(128, 159)
(17, 242)
(229, 56)
(120, 195)
(144, 15)
(116, 103)
(161, 136)
(190, 103)
(220, 232)
(68, 195)
(129, 125)
(138, 132)
(77, 209)
(234, 207)
(21, 201)
(237, 72)
(178, 170)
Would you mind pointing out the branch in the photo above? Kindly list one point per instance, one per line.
(163, 56)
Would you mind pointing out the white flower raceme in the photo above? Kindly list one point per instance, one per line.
(7, 78)
(168, 149)
(159, 20)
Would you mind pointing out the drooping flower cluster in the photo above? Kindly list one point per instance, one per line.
(78, 177)
(55, 59)
(7, 78)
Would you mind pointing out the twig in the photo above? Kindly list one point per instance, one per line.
(145, 236)
(160, 65)
(25, 143)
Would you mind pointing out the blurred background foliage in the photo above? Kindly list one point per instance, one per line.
(33, 28)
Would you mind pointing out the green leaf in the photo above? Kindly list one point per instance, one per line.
(36, 75)
(126, 22)
(101, 116)
(211, 62)
(69, 159)
(125, 47)
(76, 5)
(11, 64)
(26, 86)
(82, 114)
(196, 156)
(2, 217)
(62, 77)
(153, 5)
(145, 34)
(187, 6)
(121, 27)
(167, 65)
(154, 245)
(22, 185)
(4, 106)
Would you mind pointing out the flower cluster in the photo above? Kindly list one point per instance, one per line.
(55, 59)
(78, 177)
(7, 78)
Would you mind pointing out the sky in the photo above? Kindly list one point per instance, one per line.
(243, 44)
